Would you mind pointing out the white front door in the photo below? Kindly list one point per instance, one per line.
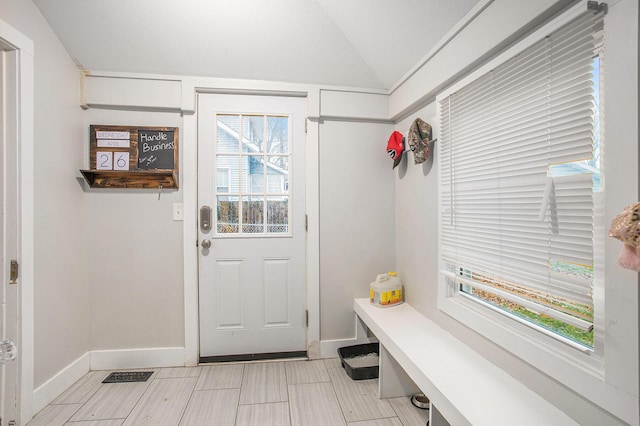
(251, 190)
(8, 234)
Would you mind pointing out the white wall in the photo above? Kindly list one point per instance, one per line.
(498, 25)
(93, 248)
(357, 217)
(357, 214)
(622, 182)
(417, 221)
(134, 254)
(60, 282)
(417, 250)
(124, 240)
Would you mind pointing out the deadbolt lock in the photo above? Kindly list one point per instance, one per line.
(205, 218)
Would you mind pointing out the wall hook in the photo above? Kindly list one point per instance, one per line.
(159, 191)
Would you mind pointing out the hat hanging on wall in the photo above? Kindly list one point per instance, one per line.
(626, 228)
(395, 147)
(419, 137)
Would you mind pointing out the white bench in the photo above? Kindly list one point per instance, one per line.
(464, 387)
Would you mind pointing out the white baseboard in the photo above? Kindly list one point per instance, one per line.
(137, 358)
(329, 348)
(46, 393)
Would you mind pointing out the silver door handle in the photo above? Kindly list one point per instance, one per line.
(206, 244)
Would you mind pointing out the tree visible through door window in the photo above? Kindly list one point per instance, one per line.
(253, 195)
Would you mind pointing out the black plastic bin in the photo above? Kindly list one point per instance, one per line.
(359, 351)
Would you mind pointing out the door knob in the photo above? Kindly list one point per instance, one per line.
(206, 244)
(8, 351)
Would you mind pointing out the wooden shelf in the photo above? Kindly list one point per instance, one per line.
(131, 178)
(149, 156)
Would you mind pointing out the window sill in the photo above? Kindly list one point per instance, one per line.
(580, 371)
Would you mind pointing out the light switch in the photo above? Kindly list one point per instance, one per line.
(177, 211)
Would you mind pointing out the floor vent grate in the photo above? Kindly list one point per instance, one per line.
(128, 376)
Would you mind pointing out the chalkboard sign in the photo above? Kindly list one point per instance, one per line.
(132, 157)
(155, 149)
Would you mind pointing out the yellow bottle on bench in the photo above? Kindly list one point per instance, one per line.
(386, 290)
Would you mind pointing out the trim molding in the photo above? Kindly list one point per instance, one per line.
(137, 358)
(15, 40)
(189, 180)
(46, 393)
(116, 359)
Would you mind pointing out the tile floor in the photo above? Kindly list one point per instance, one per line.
(266, 394)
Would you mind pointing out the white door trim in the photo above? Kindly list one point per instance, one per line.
(189, 181)
(25, 55)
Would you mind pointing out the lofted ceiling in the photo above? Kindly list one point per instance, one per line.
(358, 43)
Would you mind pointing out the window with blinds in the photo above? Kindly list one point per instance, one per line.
(517, 173)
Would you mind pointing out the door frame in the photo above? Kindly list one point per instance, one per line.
(190, 198)
(12, 39)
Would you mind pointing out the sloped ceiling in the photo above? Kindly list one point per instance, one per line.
(359, 43)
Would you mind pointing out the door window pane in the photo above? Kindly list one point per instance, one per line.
(252, 215)
(275, 184)
(277, 174)
(229, 163)
(278, 135)
(278, 214)
(253, 133)
(252, 161)
(228, 133)
(279, 163)
(257, 183)
(222, 179)
(227, 215)
(256, 173)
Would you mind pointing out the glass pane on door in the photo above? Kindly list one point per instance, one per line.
(278, 135)
(252, 215)
(253, 151)
(278, 215)
(253, 133)
(228, 134)
(227, 214)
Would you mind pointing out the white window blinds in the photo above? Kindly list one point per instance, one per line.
(507, 225)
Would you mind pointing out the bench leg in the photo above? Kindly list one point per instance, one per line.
(393, 382)
(437, 419)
